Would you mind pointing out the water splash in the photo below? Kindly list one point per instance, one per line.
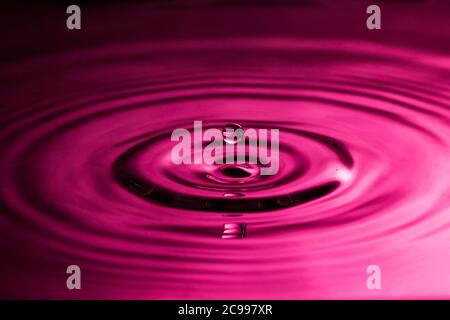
(364, 149)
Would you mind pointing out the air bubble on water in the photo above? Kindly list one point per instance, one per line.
(230, 135)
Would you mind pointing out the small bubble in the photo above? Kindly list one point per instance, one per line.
(232, 133)
(234, 231)
(233, 195)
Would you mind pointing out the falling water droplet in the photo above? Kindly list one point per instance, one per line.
(234, 231)
(232, 133)
(233, 195)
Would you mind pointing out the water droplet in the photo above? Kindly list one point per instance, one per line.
(232, 133)
(234, 231)
(233, 195)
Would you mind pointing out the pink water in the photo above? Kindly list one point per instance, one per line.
(364, 120)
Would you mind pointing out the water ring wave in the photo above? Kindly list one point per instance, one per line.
(364, 149)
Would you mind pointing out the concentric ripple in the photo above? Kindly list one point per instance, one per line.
(364, 149)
